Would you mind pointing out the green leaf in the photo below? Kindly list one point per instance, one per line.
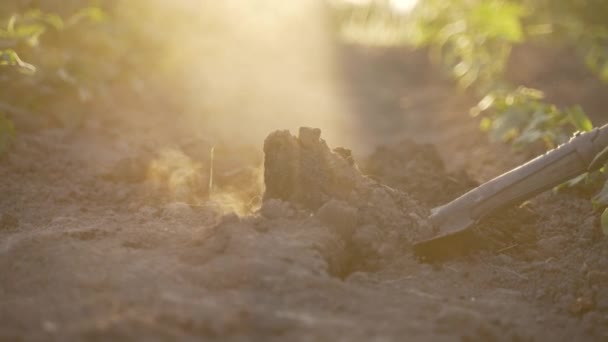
(9, 57)
(30, 33)
(54, 21)
(528, 137)
(485, 124)
(605, 222)
(532, 93)
(38, 17)
(498, 19)
(7, 133)
(94, 14)
(508, 125)
(579, 119)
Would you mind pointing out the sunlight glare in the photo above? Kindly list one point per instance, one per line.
(403, 6)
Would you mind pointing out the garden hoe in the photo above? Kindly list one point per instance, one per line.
(585, 152)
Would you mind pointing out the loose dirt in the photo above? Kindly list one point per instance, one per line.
(110, 231)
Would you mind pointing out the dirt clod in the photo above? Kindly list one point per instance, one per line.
(305, 172)
(417, 170)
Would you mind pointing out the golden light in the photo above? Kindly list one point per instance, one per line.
(244, 69)
(403, 6)
(250, 67)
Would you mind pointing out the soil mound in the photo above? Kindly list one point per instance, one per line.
(418, 170)
(373, 220)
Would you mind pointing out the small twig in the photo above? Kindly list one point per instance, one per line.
(453, 269)
(507, 248)
(211, 157)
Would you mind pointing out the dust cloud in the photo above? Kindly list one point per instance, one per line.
(261, 66)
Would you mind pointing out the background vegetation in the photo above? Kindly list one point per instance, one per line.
(472, 41)
(56, 56)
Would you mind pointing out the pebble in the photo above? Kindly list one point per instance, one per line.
(581, 305)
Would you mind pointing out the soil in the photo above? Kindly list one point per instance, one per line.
(110, 231)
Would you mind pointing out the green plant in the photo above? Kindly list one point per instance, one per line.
(58, 57)
(8, 57)
(472, 40)
(522, 118)
(21, 34)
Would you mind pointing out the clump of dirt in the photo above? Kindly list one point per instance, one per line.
(304, 171)
(373, 220)
(418, 170)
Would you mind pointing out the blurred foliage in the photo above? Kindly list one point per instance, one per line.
(472, 41)
(522, 118)
(44, 40)
(74, 53)
(33, 70)
(8, 57)
(59, 55)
